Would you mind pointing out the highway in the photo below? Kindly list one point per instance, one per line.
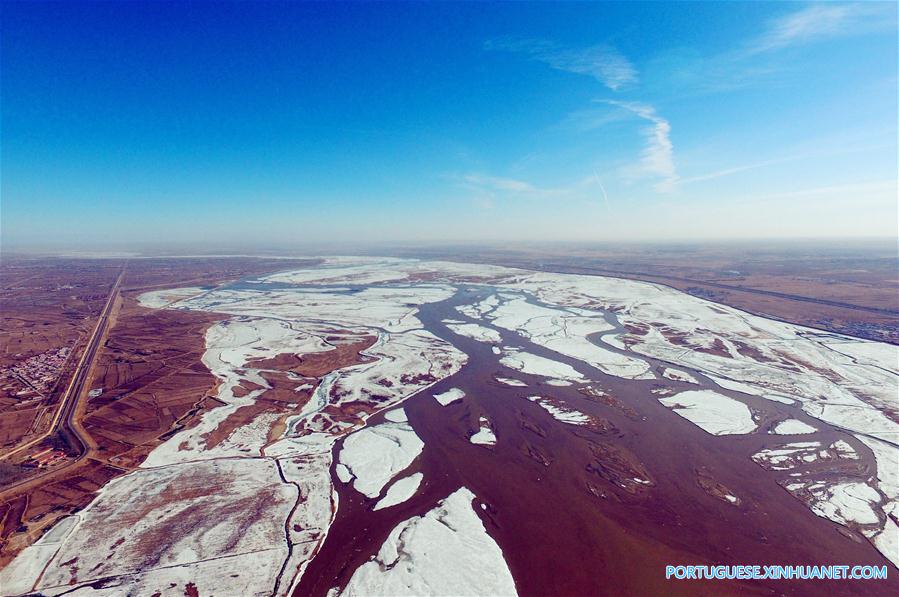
(63, 421)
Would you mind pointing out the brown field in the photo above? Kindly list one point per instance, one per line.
(152, 379)
(148, 367)
(45, 305)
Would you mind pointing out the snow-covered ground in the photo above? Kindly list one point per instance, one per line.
(20, 576)
(157, 299)
(177, 516)
(566, 331)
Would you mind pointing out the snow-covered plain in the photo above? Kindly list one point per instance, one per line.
(264, 323)
(137, 524)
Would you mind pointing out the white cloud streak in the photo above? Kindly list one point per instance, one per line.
(504, 185)
(822, 21)
(486, 189)
(602, 62)
(735, 170)
(658, 155)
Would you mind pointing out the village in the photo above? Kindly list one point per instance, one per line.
(38, 374)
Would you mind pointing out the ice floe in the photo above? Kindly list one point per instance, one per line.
(445, 552)
(400, 491)
(678, 375)
(844, 450)
(478, 310)
(449, 396)
(484, 435)
(509, 381)
(533, 364)
(846, 502)
(374, 455)
(789, 455)
(713, 412)
(476, 332)
(397, 415)
(793, 427)
(559, 412)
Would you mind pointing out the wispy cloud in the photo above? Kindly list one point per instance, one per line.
(485, 189)
(505, 185)
(817, 148)
(685, 71)
(658, 155)
(735, 170)
(822, 21)
(602, 62)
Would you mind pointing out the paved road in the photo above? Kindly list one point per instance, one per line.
(63, 422)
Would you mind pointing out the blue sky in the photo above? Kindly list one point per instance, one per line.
(276, 123)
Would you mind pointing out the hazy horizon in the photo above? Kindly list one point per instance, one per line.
(286, 124)
(783, 245)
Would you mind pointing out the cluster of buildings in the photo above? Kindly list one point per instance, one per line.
(39, 373)
(46, 458)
